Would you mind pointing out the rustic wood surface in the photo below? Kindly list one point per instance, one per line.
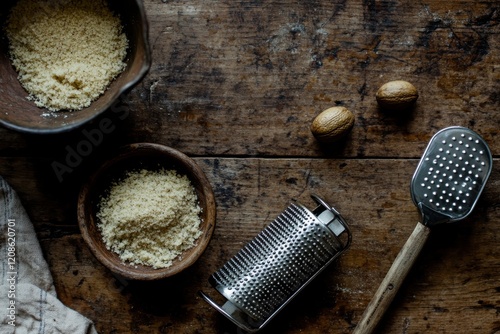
(236, 84)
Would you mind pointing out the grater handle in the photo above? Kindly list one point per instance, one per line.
(393, 280)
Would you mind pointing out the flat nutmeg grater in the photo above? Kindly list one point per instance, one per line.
(266, 274)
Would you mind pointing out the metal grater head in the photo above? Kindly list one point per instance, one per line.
(451, 175)
(279, 262)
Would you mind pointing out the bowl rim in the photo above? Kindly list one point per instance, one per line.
(146, 65)
(128, 152)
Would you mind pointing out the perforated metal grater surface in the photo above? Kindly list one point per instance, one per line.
(269, 271)
(451, 175)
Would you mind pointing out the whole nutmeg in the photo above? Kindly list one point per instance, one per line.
(396, 95)
(332, 124)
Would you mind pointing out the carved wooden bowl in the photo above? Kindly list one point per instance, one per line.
(149, 156)
(17, 113)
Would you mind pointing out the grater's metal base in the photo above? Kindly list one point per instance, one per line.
(237, 316)
(264, 276)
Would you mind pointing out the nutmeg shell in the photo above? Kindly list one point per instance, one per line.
(397, 95)
(332, 124)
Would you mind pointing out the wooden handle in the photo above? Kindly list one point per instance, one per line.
(393, 280)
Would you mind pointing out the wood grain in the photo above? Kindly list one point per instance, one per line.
(457, 271)
(236, 84)
(393, 280)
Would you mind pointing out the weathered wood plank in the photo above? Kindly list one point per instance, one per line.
(261, 72)
(247, 78)
(454, 282)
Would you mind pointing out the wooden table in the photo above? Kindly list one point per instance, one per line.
(236, 84)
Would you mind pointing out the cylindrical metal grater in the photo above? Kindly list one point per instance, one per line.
(278, 263)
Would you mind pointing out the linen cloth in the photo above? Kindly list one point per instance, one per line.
(28, 299)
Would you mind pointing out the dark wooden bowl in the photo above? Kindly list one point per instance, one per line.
(149, 156)
(17, 113)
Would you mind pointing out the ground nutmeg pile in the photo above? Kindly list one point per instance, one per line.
(66, 52)
(150, 217)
